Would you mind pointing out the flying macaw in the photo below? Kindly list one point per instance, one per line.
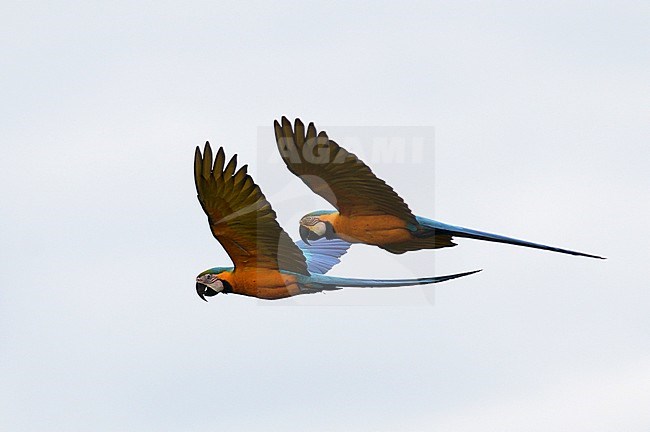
(267, 264)
(369, 211)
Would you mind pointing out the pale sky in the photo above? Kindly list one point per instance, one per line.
(535, 125)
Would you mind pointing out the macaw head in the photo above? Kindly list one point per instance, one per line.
(314, 226)
(209, 283)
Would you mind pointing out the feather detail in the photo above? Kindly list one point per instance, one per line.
(323, 254)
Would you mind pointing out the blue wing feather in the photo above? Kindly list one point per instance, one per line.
(323, 254)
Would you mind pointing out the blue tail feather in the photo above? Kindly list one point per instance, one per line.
(323, 282)
(443, 228)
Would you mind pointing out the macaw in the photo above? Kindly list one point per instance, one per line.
(369, 210)
(267, 264)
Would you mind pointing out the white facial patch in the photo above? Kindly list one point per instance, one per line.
(308, 221)
(319, 229)
(211, 280)
(217, 285)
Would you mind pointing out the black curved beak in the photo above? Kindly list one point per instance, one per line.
(304, 233)
(204, 290)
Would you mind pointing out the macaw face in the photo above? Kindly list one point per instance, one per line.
(312, 228)
(208, 285)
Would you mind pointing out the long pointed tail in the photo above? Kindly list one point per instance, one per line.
(322, 282)
(443, 228)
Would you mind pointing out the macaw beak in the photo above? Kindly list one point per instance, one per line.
(204, 290)
(305, 233)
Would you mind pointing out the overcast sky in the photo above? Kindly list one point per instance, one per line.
(517, 118)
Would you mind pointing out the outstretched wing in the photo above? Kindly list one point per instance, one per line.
(241, 218)
(335, 174)
(323, 254)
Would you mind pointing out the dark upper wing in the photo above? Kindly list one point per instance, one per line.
(335, 174)
(241, 218)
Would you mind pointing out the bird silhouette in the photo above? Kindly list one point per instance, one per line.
(367, 209)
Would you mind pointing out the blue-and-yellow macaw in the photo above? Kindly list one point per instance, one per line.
(267, 264)
(369, 211)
